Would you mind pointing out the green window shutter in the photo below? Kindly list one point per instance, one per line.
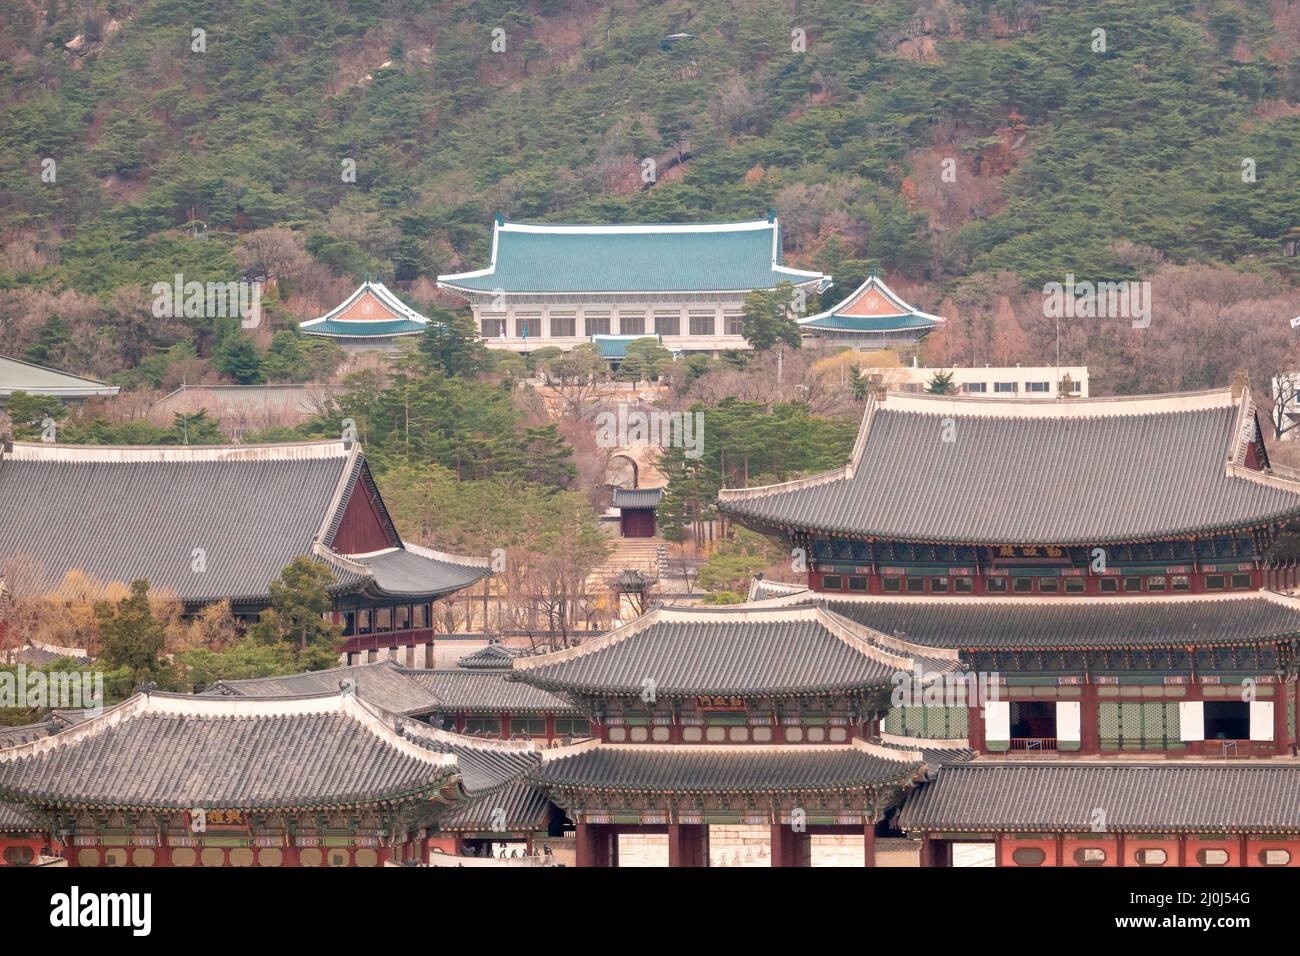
(1130, 724)
(894, 721)
(1153, 723)
(1108, 723)
(1173, 729)
(958, 722)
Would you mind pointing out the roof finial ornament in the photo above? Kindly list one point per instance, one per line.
(147, 688)
(347, 687)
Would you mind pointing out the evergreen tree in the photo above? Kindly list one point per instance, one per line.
(131, 638)
(768, 319)
(451, 343)
(237, 357)
(941, 383)
(299, 598)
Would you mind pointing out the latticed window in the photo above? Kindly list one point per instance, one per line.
(936, 723)
(1138, 725)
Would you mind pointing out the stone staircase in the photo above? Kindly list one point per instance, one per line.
(639, 554)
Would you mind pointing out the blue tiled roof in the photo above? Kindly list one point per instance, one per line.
(862, 323)
(367, 329)
(641, 258)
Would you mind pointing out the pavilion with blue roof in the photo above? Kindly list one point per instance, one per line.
(871, 317)
(372, 317)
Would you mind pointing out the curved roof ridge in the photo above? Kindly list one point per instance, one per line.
(614, 228)
(90, 727)
(878, 644)
(1097, 406)
(271, 451)
(572, 750)
(924, 743)
(608, 639)
(466, 560)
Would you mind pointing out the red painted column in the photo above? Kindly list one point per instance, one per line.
(688, 845)
(1089, 716)
(1281, 744)
(596, 845)
(869, 845)
(790, 848)
(582, 848)
(975, 727)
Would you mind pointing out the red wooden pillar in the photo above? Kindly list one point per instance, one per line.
(975, 726)
(1089, 715)
(688, 845)
(583, 855)
(596, 845)
(1281, 742)
(869, 845)
(790, 848)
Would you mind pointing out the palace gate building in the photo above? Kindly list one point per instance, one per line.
(707, 717)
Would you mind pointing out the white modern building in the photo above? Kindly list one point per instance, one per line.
(562, 285)
(1028, 381)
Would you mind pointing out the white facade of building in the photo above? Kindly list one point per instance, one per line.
(1029, 381)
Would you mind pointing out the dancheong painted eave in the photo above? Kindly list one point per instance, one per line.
(872, 307)
(371, 312)
(553, 259)
(209, 523)
(984, 472)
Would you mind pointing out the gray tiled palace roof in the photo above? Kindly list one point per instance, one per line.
(637, 497)
(486, 690)
(976, 471)
(1133, 797)
(494, 656)
(382, 683)
(185, 751)
(521, 806)
(684, 768)
(15, 819)
(783, 652)
(206, 523)
(1105, 622)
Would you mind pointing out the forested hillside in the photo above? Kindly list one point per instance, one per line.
(973, 151)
